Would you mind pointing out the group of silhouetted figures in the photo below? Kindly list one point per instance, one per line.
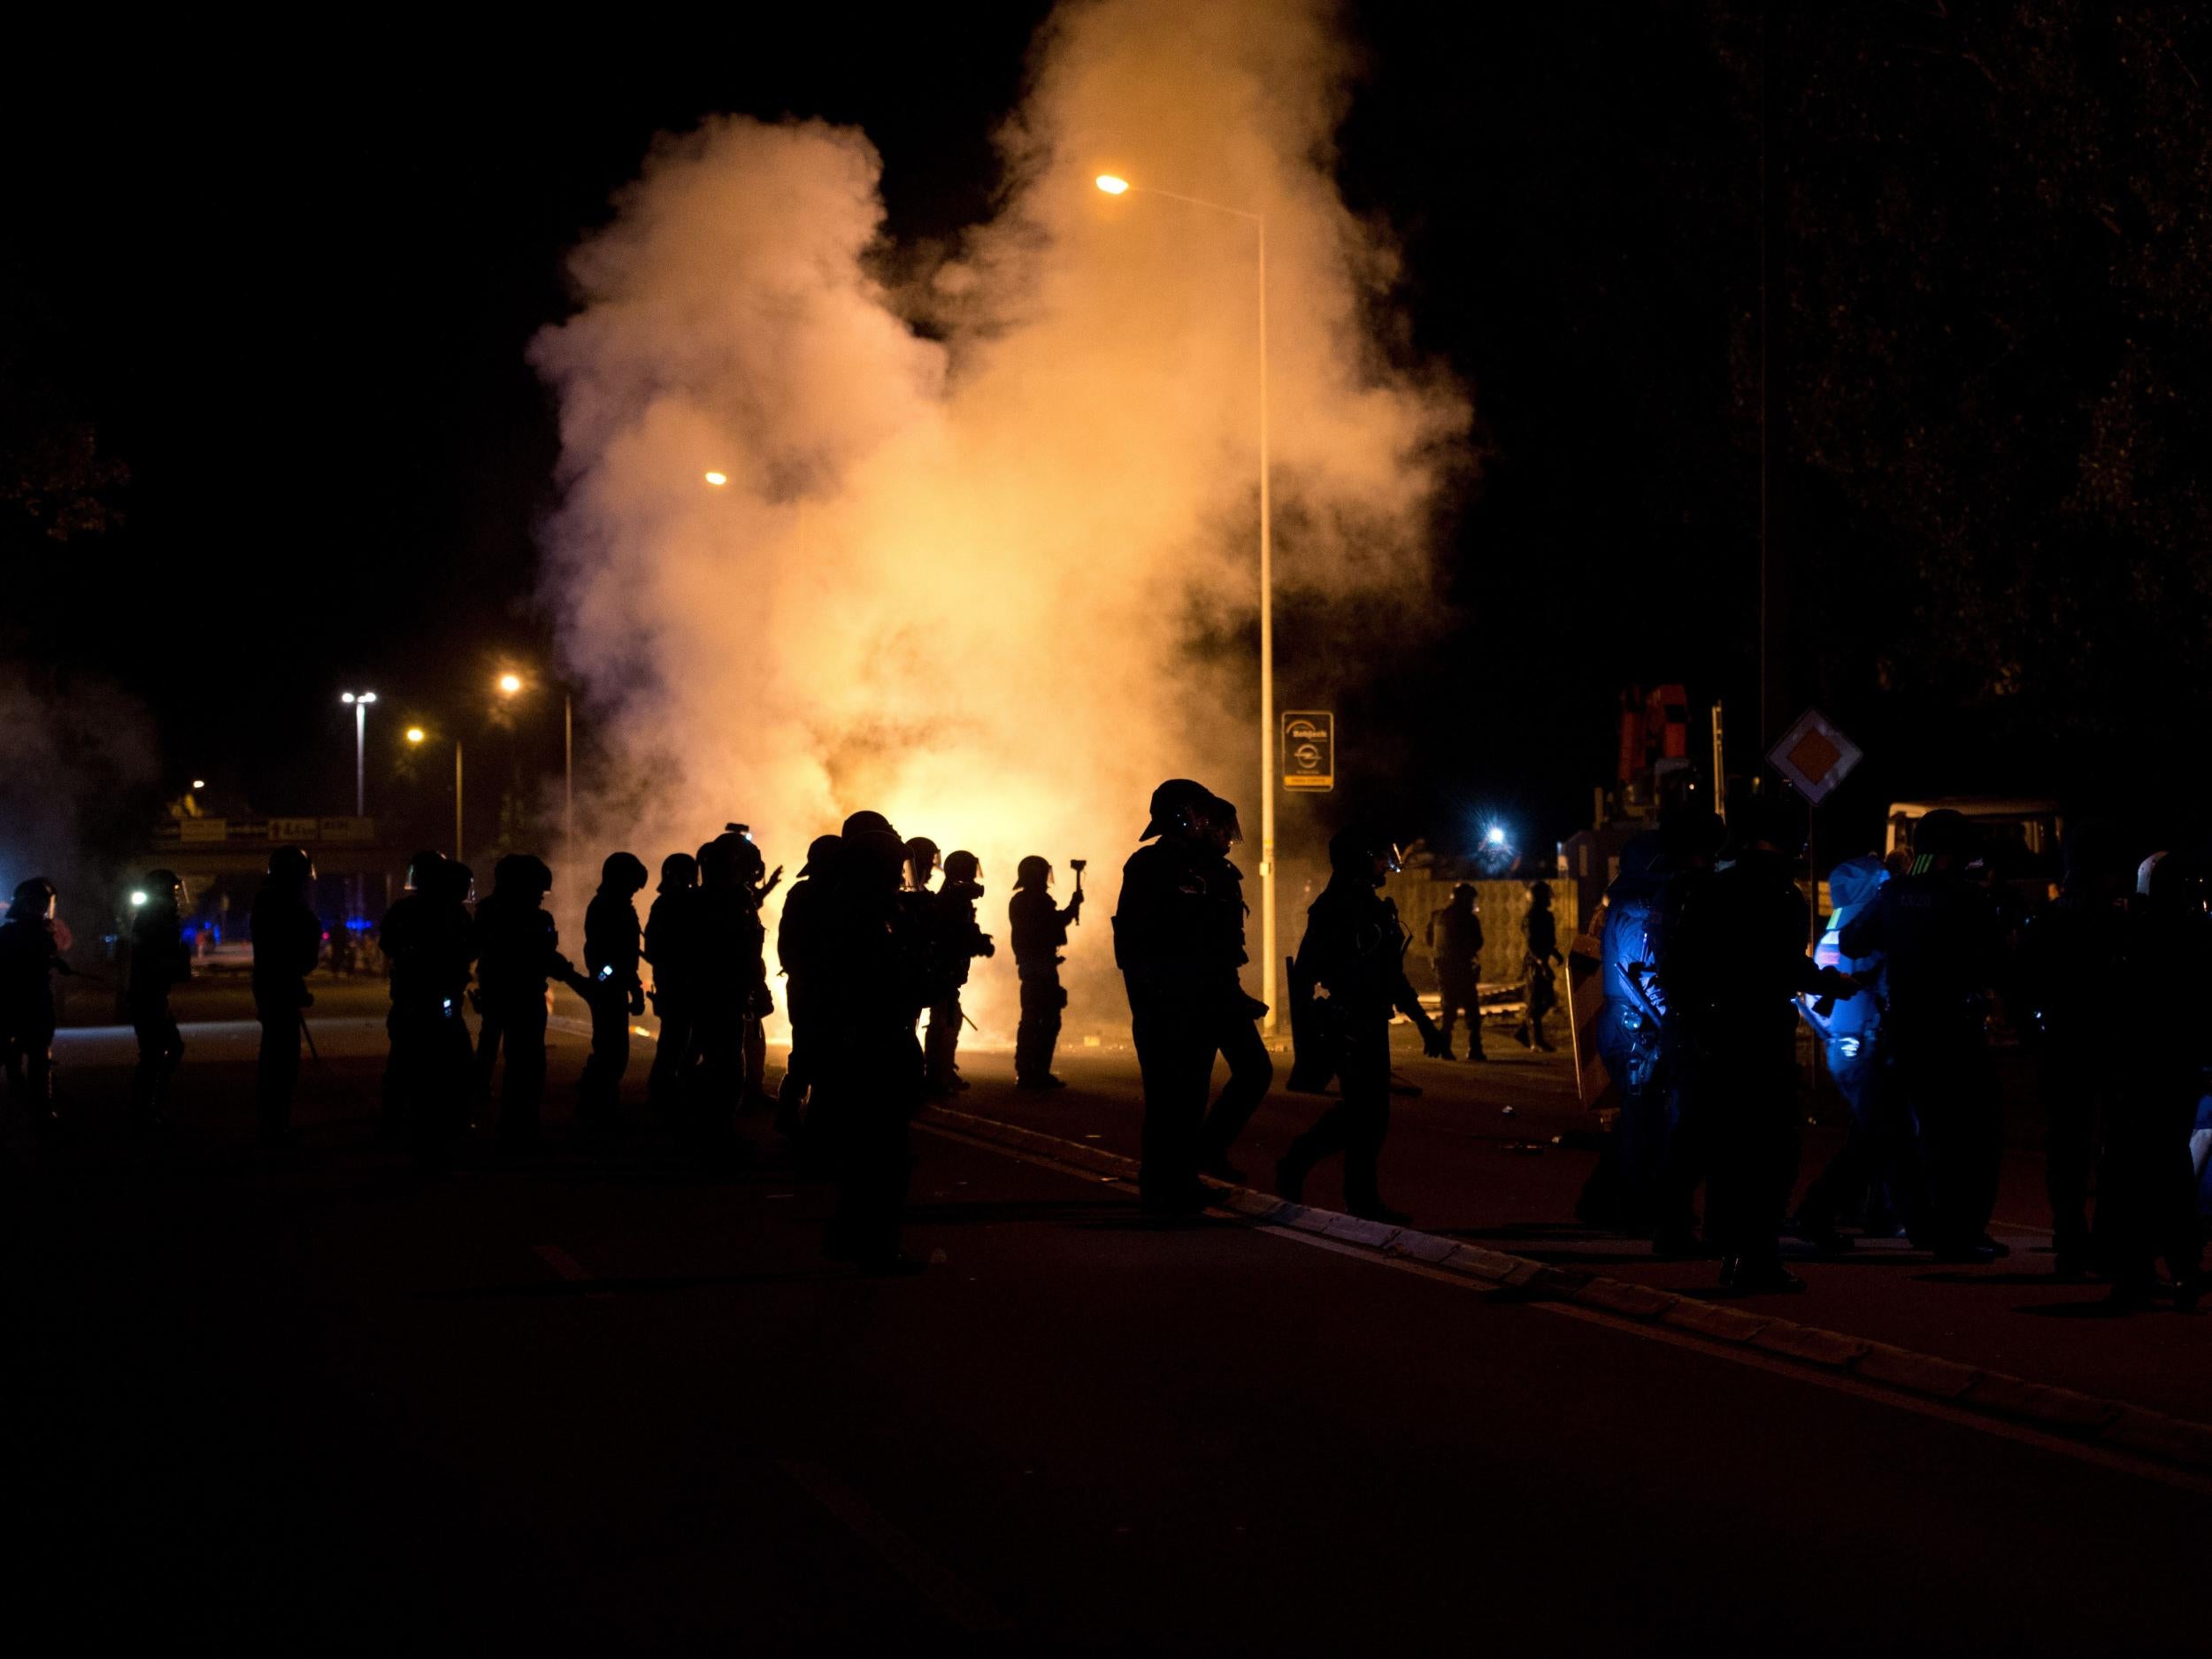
(1702, 942)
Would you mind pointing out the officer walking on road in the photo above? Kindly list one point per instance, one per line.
(519, 951)
(802, 934)
(1179, 940)
(429, 938)
(2075, 952)
(159, 963)
(1455, 933)
(671, 946)
(30, 956)
(611, 964)
(1735, 961)
(956, 942)
(1352, 965)
(1540, 931)
(1939, 932)
(873, 981)
(1040, 932)
(287, 941)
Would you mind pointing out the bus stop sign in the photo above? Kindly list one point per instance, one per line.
(1309, 745)
(1814, 755)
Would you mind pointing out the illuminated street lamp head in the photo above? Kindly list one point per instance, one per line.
(352, 698)
(1111, 185)
(509, 684)
(414, 734)
(718, 479)
(199, 783)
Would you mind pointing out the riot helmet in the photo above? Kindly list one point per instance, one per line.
(1943, 834)
(871, 857)
(522, 873)
(921, 859)
(821, 857)
(1033, 872)
(860, 823)
(679, 872)
(166, 887)
(291, 865)
(419, 867)
(1465, 890)
(35, 897)
(962, 866)
(1360, 853)
(625, 872)
(448, 881)
(1177, 806)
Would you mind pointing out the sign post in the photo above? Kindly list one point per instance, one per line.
(1814, 757)
(1309, 751)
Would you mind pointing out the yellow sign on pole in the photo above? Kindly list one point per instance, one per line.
(1309, 744)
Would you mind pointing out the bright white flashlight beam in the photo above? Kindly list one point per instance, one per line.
(138, 898)
(1496, 837)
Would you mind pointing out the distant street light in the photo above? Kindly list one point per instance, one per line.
(1271, 957)
(199, 783)
(511, 685)
(416, 735)
(718, 479)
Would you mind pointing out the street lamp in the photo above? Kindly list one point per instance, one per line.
(1271, 957)
(718, 479)
(416, 735)
(511, 685)
(359, 702)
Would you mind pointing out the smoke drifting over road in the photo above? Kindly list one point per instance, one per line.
(980, 504)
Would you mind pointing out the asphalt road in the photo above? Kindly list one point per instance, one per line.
(312, 1401)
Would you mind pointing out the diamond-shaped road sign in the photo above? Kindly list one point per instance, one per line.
(1814, 755)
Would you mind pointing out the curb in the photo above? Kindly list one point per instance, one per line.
(2129, 1430)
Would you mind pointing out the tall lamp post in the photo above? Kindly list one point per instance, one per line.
(1270, 956)
(416, 735)
(511, 685)
(360, 701)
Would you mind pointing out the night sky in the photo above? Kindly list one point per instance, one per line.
(295, 304)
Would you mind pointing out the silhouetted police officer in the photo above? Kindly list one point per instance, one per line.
(672, 945)
(160, 961)
(287, 941)
(732, 981)
(802, 940)
(517, 952)
(1353, 960)
(1623, 1186)
(955, 941)
(611, 964)
(1455, 933)
(1735, 961)
(1179, 940)
(2146, 1196)
(2075, 953)
(30, 955)
(873, 978)
(1690, 841)
(1039, 929)
(1940, 933)
(429, 939)
(1540, 931)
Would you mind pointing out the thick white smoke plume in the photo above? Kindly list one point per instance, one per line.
(980, 504)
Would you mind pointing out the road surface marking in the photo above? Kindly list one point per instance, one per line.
(567, 1266)
(970, 1611)
(2079, 1451)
